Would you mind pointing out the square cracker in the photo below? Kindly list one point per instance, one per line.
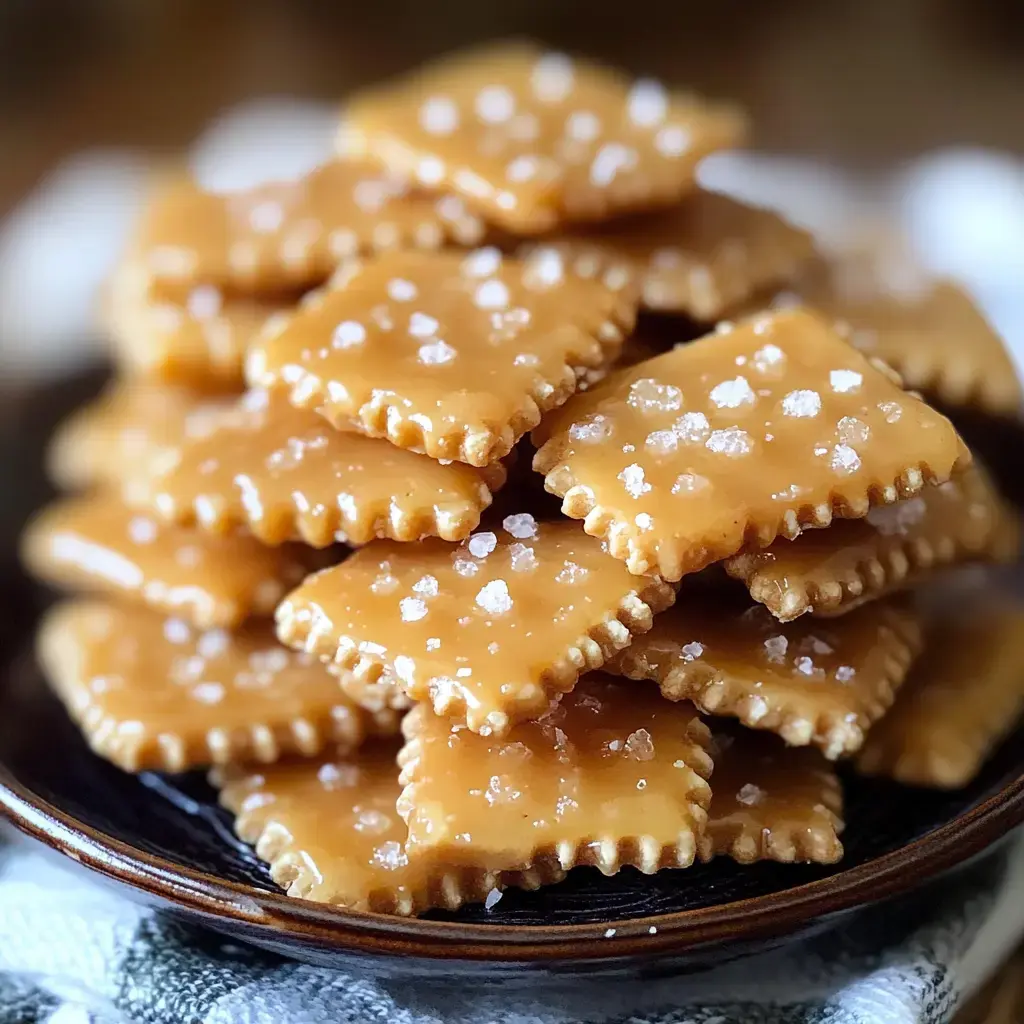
(330, 833)
(609, 777)
(535, 139)
(290, 234)
(701, 258)
(963, 696)
(95, 543)
(153, 693)
(490, 632)
(829, 572)
(812, 682)
(771, 802)
(766, 428)
(286, 474)
(453, 355)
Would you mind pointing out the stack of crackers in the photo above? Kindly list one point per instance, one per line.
(316, 556)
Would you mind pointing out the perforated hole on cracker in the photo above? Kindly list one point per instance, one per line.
(286, 474)
(809, 681)
(534, 138)
(762, 429)
(490, 631)
(151, 692)
(453, 355)
(609, 777)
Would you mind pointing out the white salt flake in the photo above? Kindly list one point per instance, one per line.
(423, 326)
(851, 430)
(648, 396)
(571, 573)
(692, 651)
(436, 353)
(802, 404)
(891, 410)
(593, 430)
(733, 394)
(401, 290)
(893, 520)
(494, 598)
(750, 795)
(552, 77)
(768, 358)
(661, 442)
(480, 545)
(731, 442)
(492, 899)
(439, 116)
(412, 609)
(482, 262)
(372, 822)
(692, 428)
(775, 648)
(672, 141)
(390, 856)
(643, 521)
(582, 126)
(142, 530)
(426, 585)
(611, 158)
(348, 334)
(639, 745)
(844, 459)
(522, 526)
(690, 483)
(632, 478)
(491, 294)
(523, 558)
(845, 673)
(495, 104)
(844, 381)
(647, 103)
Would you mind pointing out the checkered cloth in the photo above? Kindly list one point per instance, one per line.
(74, 952)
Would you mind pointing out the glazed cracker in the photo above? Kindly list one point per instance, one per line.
(765, 429)
(198, 337)
(771, 802)
(812, 682)
(290, 234)
(94, 543)
(611, 776)
(286, 474)
(330, 833)
(490, 631)
(534, 139)
(115, 438)
(701, 258)
(963, 697)
(453, 355)
(153, 693)
(828, 572)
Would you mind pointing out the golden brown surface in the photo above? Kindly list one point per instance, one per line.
(489, 631)
(828, 572)
(291, 234)
(198, 338)
(95, 544)
(702, 257)
(771, 802)
(450, 354)
(770, 427)
(330, 833)
(116, 437)
(533, 139)
(812, 682)
(151, 692)
(612, 775)
(287, 474)
(964, 695)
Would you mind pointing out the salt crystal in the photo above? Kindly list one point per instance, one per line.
(732, 394)
(647, 103)
(423, 326)
(844, 381)
(632, 478)
(639, 745)
(426, 585)
(844, 459)
(492, 294)
(482, 544)
(494, 597)
(851, 430)
(552, 77)
(804, 665)
(750, 795)
(591, 431)
(501, 791)
(483, 262)
(401, 290)
(495, 104)
(768, 358)
(775, 648)
(802, 404)
(338, 776)
(522, 526)
(176, 631)
(692, 650)
(692, 428)
(895, 519)
(437, 353)
(891, 410)
(208, 693)
(643, 521)
(583, 126)
(371, 822)
(433, 643)
(439, 116)
(213, 643)
(465, 566)
(545, 268)
(690, 483)
(731, 442)
(492, 899)
(142, 530)
(648, 396)
(348, 334)
(611, 158)
(672, 141)
(412, 609)
(390, 856)
(523, 558)
(661, 442)
(571, 573)
(845, 673)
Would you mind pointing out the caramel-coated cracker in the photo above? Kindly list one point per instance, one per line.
(196, 335)
(611, 776)
(287, 474)
(330, 833)
(812, 682)
(963, 697)
(771, 802)
(453, 355)
(767, 428)
(95, 543)
(933, 334)
(828, 572)
(533, 139)
(491, 631)
(154, 693)
(701, 258)
(115, 438)
(292, 233)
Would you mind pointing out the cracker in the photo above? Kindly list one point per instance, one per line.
(95, 543)
(535, 139)
(115, 438)
(812, 682)
(765, 429)
(490, 631)
(828, 572)
(702, 258)
(153, 693)
(330, 833)
(771, 802)
(456, 356)
(286, 474)
(963, 697)
(198, 337)
(289, 234)
(611, 776)
(372, 691)
(933, 334)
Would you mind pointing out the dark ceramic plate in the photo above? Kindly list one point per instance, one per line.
(167, 840)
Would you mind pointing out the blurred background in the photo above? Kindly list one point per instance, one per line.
(892, 115)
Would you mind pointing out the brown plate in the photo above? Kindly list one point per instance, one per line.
(168, 842)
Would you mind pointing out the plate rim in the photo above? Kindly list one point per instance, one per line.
(274, 916)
